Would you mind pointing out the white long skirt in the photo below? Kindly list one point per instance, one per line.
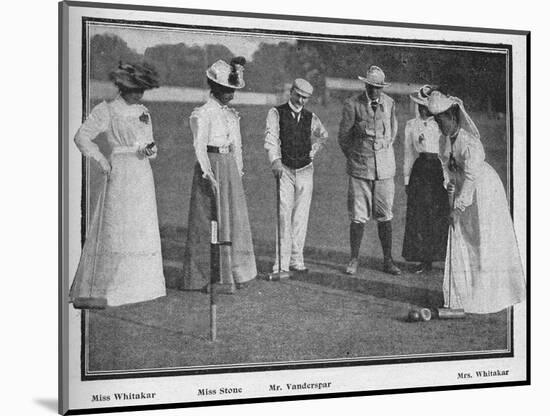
(121, 259)
(482, 254)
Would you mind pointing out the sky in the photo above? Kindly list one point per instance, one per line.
(140, 39)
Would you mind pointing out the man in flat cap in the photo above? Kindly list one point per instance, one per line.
(293, 137)
(367, 132)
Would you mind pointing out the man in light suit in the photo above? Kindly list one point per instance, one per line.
(367, 132)
(293, 137)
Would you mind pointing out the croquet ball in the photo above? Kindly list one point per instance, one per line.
(414, 315)
(425, 314)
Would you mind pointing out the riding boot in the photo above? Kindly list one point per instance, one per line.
(385, 235)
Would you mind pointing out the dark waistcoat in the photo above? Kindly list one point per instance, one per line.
(295, 137)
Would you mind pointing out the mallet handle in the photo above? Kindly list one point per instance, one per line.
(101, 207)
(213, 324)
(452, 204)
(278, 186)
(215, 257)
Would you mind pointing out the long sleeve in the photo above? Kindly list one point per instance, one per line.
(238, 147)
(272, 143)
(444, 152)
(473, 161)
(150, 137)
(318, 132)
(394, 124)
(319, 135)
(96, 123)
(346, 126)
(410, 152)
(199, 127)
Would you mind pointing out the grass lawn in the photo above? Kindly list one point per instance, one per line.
(323, 315)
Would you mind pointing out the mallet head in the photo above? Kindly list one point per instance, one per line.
(414, 315)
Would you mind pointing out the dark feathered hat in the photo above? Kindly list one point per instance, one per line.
(141, 76)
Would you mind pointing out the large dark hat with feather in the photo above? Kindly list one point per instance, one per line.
(142, 76)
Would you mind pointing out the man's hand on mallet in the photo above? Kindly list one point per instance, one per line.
(277, 168)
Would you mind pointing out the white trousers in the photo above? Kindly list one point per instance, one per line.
(296, 191)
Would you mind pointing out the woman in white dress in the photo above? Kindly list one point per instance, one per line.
(121, 260)
(483, 262)
(426, 228)
(219, 168)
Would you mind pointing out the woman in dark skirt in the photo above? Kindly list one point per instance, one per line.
(427, 201)
(219, 168)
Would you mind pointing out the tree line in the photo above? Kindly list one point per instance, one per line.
(477, 77)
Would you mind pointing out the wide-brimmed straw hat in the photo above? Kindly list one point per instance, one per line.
(302, 87)
(421, 96)
(229, 75)
(439, 103)
(375, 77)
(138, 76)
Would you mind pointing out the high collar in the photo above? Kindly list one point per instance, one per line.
(214, 102)
(294, 108)
(123, 105)
(368, 100)
(120, 99)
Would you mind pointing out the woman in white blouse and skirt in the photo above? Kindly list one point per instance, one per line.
(427, 224)
(483, 262)
(121, 260)
(219, 168)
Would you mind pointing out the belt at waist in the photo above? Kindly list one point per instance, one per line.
(219, 149)
(428, 156)
(124, 149)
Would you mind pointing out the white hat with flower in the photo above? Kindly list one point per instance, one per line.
(229, 75)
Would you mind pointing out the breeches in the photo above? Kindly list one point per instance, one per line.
(370, 198)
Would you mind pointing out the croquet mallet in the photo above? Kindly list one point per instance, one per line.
(280, 274)
(215, 256)
(447, 312)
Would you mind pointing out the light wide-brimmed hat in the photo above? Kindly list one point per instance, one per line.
(375, 77)
(229, 75)
(138, 76)
(439, 103)
(421, 96)
(302, 87)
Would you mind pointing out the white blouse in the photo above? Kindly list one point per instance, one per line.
(127, 126)
(214, 124)
(421, 136)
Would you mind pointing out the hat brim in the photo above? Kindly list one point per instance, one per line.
(302, 92)
(366, 81)
(439, 104)
(225, 83)
(124, 80)
(418, 100)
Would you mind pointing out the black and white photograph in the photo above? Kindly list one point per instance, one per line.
(271, 207)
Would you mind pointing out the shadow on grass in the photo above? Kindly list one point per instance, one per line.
(331, 261)
(390, 291)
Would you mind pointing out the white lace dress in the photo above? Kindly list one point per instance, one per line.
(483, 260)
(121, 260)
